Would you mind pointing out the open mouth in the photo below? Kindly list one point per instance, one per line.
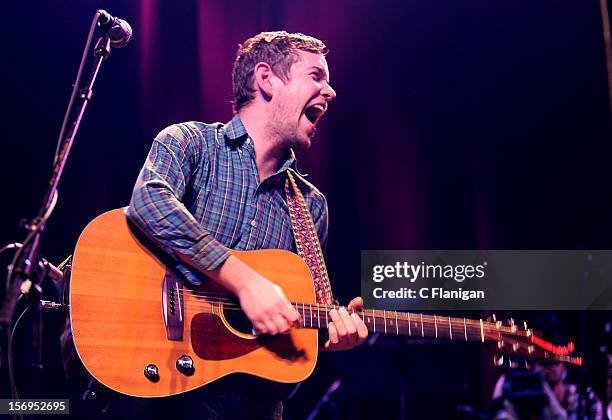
(314, 112)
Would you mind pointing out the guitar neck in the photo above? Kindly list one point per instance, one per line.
(407, 324)
(509, 339)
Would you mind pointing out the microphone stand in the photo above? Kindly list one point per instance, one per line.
(24, 274)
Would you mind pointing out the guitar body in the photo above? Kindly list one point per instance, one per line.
(119, 312)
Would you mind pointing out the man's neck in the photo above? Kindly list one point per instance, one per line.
(269, 154)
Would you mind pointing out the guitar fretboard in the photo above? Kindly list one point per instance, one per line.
(408, 324)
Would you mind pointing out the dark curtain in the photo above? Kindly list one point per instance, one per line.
(458, 125)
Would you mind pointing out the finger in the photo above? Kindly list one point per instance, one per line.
(259, 328)
(362, 330)
(275, 318)
(300, 321)
(271, 327)
(290, 313)
(262, 327)
(338, 324)
(333, 333)
(285, 307)
(351, 329)
(281, 324)
(356, 304)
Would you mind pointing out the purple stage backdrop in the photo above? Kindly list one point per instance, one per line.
(458, 125)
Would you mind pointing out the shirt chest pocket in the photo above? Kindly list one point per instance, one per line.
(270, 226)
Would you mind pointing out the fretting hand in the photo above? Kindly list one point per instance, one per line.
(346, 329)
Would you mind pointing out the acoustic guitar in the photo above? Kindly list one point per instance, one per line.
(140, 331)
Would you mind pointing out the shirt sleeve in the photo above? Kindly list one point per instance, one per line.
(156, 205)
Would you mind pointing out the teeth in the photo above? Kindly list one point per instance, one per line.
(319, 107)
(314, 112)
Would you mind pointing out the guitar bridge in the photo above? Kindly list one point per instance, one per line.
(173, 306)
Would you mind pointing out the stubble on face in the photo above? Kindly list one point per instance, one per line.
(287, 123)
(284, 125)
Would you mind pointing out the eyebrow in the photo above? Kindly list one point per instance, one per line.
(321, 72)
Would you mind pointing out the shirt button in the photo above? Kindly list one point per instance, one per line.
(253, 223)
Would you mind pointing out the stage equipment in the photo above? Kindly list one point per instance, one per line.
(28, 269)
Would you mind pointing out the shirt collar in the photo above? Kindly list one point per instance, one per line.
(289, 163)
(234, 130)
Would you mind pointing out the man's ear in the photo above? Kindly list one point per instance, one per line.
(263, 75)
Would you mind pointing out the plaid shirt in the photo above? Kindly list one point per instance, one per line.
(199, 194)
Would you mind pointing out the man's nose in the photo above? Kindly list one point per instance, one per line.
(328, 92)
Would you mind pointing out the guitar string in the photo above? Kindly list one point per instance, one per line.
(474, 325)
(427, 324)
(428, 320)
(537, 353)
(472, 329)
(490, 331)
(230, 303)
(474, 332)
(220, 297)
(223, 298)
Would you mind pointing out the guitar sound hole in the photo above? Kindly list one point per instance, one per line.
(237, 319)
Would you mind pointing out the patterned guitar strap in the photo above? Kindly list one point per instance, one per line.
(306, 240)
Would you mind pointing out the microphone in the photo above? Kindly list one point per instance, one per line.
(119, 31)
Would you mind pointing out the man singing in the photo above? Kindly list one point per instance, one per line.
(205, 188)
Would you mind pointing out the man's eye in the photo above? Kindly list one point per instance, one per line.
(316, 76)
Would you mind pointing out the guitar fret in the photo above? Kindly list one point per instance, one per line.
(465, 329)
(422, 330)
(436, 326)
(409, 328)
(385, 320)
(319, 316)
(396, 324)
(303, 315)
(374, 318)
(450, 328)
(310, 305)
